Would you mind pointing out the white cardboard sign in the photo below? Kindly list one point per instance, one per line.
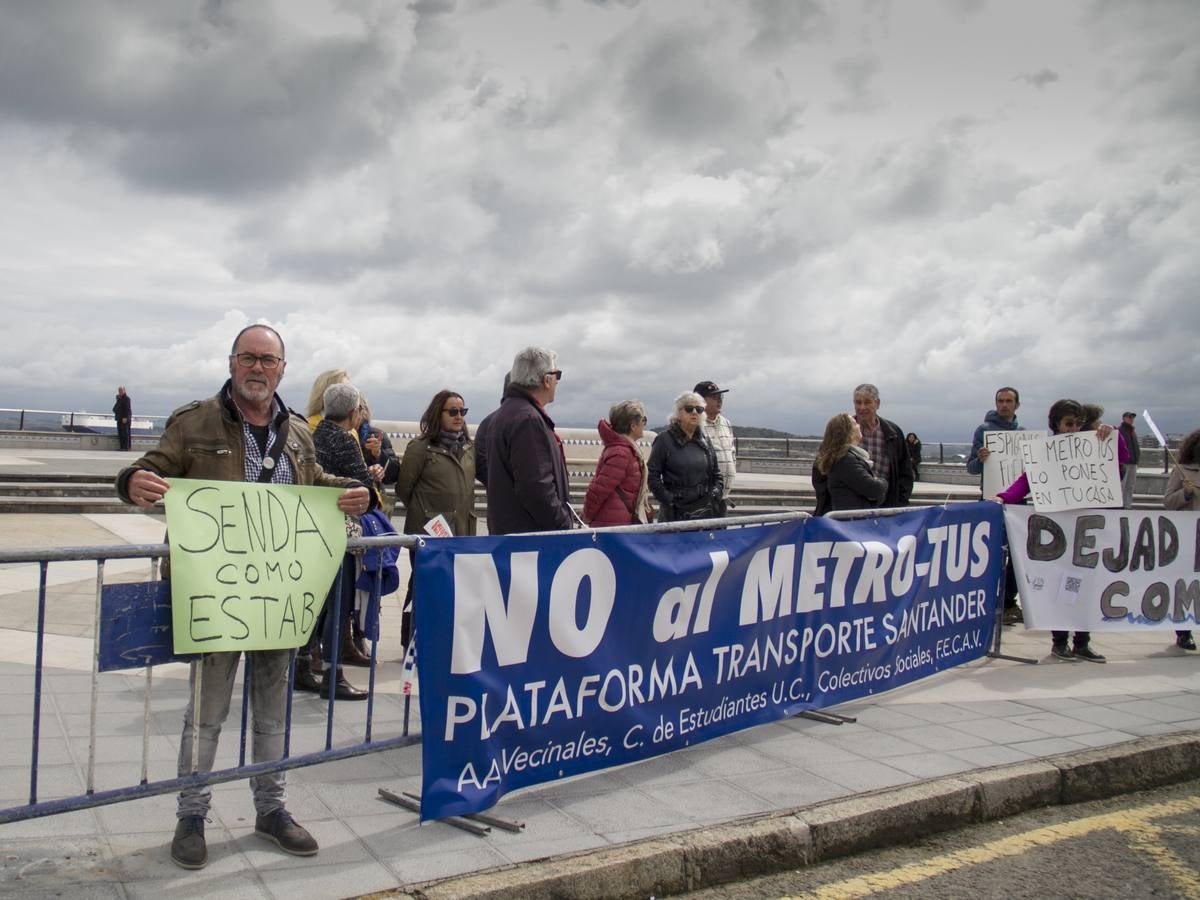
(1073, 471)
(1005, 464)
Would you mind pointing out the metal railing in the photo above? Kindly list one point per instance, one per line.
(806, 449)
(95, 795)
(74, 422)
(943, 452)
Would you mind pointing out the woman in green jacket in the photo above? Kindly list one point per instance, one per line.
(437, 476)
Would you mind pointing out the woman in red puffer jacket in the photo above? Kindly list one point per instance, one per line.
(618, 494)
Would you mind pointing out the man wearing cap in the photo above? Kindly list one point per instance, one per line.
(719, 432)
(244, 433)
(885, 442)
(1129, 475)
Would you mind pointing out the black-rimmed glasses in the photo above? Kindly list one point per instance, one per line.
(557, 373)
(455, 411)
(247, 360)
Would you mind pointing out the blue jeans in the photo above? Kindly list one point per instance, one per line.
(268, 704)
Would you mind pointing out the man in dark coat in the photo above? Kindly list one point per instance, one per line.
(885, 442)
(527, 488)
(123, 413)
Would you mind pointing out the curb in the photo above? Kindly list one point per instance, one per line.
(714, 855)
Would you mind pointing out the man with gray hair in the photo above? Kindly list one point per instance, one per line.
(885, 442)
(527, 488)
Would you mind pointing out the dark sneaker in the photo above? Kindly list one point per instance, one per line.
(1086, 652)
(1185, 641)
(188, 850)
(1062, 651)
(282, 829)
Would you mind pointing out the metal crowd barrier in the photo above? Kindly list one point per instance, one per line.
(93, 797)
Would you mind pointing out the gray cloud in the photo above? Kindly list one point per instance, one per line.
(1040, 78)
(663, 193)
(204, 103)
(857, 75)
(780, 24)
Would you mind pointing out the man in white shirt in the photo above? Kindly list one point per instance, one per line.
(719, 432)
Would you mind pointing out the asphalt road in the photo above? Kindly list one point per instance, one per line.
(1134, 846)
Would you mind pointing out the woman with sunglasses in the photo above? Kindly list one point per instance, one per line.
(683, 473)
(618, 494)
(437, 476)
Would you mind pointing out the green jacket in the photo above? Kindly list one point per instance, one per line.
(432, 481)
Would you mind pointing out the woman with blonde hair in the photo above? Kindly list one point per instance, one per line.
(842, 476)
(316, 397)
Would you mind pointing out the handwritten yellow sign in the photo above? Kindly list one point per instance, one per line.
(250, 563)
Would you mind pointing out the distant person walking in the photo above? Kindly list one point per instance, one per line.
(123, 413)
(885, 443)
(1129, 476)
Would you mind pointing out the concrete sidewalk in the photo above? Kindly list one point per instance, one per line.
(987, 714)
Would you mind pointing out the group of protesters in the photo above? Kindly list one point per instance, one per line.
(245, 433)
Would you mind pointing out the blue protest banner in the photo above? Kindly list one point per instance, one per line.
(543, 657)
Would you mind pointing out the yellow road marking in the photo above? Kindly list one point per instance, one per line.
(1148, 839)
(1135, 822)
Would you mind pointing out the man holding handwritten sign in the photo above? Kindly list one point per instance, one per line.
(996, 455)
(243, 434)
(250, 563)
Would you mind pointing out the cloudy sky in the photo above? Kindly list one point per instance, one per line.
(785, 196)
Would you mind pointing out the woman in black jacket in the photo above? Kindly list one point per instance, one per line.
(682, 472)
(842, 474)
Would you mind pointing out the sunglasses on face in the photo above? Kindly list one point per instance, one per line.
(557, 373)
(693, 409)
(455, 411)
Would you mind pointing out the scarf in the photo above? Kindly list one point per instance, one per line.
(453, 442)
